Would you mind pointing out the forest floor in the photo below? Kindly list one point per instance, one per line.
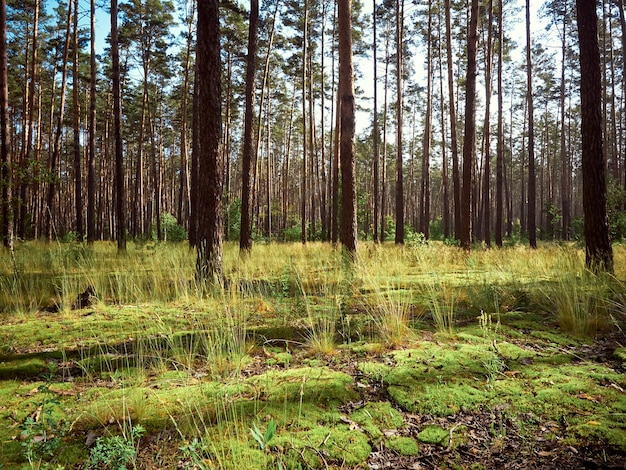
(279, 373)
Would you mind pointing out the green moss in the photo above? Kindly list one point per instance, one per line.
(434, 435)
(620, 353)
(376, 417)
(340, 445)
(319, 385)
(24, 368)
(403, 445)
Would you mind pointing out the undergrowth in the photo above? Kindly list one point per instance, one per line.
(264, 373)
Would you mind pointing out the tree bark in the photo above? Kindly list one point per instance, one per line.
(78, 174)
(399, 105)
(598, 250)
(348, 111)
(249, 149)
(5, 156)
(376, 182)
(500, 145)
(208, 132)
(469, 142)
(456, 178)
(91, 170)
(56, 150)
(532, 179)
(120, 192)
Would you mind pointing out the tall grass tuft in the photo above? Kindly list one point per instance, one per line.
(582, 303)
(441, 299)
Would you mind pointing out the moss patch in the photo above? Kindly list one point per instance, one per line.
(403, 445)
(434, 435)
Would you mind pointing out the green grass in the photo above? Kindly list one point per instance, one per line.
(340, 361)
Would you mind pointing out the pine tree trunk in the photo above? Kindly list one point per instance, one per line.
(399, 122)
(208, 132)
(347, 111)
(500, 148)
(5, 156)
(532, 179)
(249, 150)
(78, 173)
(91, 156)
(599, 253)
(120, 192)
(469, 151)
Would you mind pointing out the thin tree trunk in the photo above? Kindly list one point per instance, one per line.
(249, 150)
(425, 186)
(532, 179)
(486, 200)
(304, 192)
(91, 158)
(375, 131)
(456, 178)
(59, 130)
(500, 148)
(78, 175)
(5, 156)
(120, 193)
(399, 105)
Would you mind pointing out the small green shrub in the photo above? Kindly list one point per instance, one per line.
(115, 452)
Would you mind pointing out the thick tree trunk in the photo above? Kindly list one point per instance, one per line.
(469, 142)
(599, 253)
(348, 111)
(208, 131)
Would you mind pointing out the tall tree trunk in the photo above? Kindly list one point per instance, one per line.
(375, 130)
(78, 174)
(56, 150)
(120, 193)
(599, 253)
(456, 177)
(444, 144)
(5, 156)
(249, 150)
(348, 111)
(500, 148)
(184, 194)
(26, 164)
(565, 164)
(208, 131)
(91, 158)
(532, 179)
(486, 199)
(469, 142)
(399, 105)
(304, 192)
(425, 180)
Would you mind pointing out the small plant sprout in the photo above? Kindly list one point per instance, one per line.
(264, 438)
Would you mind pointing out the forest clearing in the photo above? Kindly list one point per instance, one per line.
(421, 356)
